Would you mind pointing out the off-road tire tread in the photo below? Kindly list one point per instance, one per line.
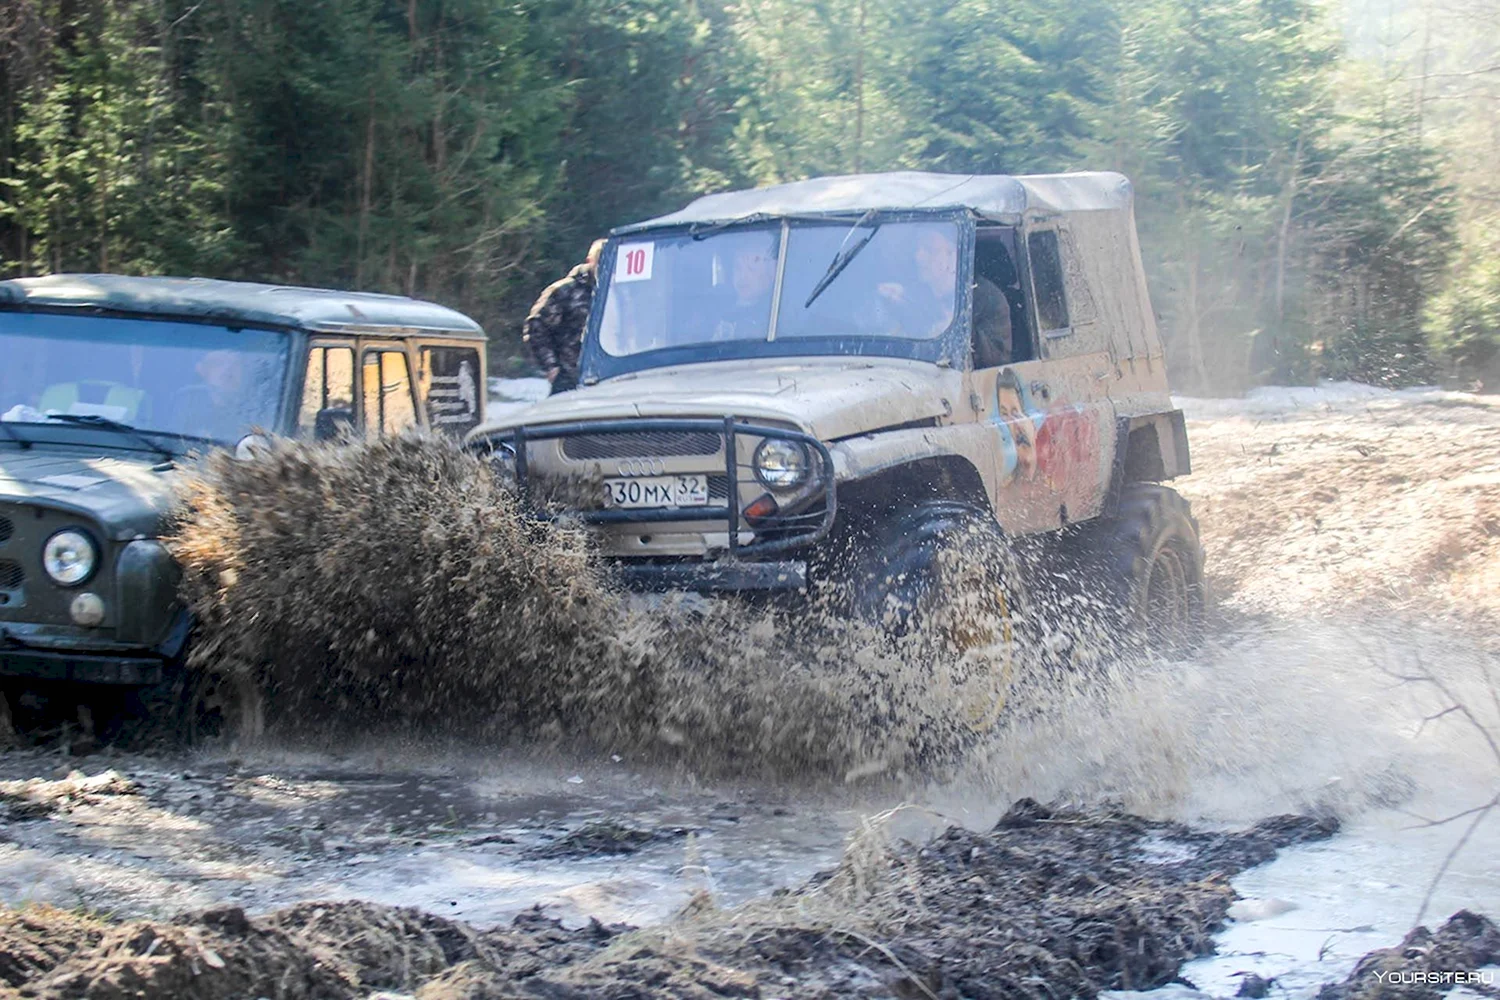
(903, 546)
(1115, 552)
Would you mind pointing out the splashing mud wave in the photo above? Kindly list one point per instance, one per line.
(397, 583)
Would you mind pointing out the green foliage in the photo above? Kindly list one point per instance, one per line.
(108, 170)
(1295, 217)
(1385, 234)
(1464, 323)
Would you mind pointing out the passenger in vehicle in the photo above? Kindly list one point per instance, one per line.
(752, 274)
(993, 338)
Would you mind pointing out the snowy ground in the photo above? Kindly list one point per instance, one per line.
(510, 394)
(1353, 537)
(1359, 530)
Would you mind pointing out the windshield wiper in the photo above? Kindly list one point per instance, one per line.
(844, 257)
(94, 420)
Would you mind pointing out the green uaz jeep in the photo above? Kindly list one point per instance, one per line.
(109, 383)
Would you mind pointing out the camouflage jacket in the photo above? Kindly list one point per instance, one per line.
(554, 327)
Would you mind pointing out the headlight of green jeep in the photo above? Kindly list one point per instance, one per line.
(70, 557)
(781, 465)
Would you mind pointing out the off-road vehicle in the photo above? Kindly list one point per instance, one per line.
(108, 383)
(881, 365)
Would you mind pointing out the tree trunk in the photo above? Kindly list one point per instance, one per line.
(1193, 327)
(1283, 245)
(859, 90)
(366, 190)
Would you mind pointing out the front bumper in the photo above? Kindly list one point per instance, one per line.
(746, 561)
(73, 655)
(79, 668)
(723, 576)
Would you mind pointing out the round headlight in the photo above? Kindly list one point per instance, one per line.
(70, 557)
(780, 464)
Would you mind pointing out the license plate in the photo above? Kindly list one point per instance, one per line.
(657, 491)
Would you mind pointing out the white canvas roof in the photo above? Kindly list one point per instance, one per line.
(988, 194)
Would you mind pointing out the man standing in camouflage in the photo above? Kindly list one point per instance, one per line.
(554, 327)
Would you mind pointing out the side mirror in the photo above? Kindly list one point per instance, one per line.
(333, 423)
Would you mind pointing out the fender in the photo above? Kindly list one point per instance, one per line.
(865, 456)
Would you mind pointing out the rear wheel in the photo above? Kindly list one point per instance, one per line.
(1147, 561)
(943, 571)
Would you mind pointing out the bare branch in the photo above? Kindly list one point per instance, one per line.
(1426, 823)
(1433, 718)
(1448, 861)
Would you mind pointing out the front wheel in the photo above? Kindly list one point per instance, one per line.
(942, 572)
(191, 705)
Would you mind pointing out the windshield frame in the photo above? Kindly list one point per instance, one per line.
(950, 348)
(285, 410)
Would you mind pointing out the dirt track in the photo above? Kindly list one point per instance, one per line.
(1326, 515)
(1349, 499)
(1045, 904)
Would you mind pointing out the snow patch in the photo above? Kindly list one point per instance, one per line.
(1325, 396)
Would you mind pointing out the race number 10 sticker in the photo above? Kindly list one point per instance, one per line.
(633, 261)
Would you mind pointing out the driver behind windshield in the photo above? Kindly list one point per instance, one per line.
(923, 307)
(155, 376)
(211, 407)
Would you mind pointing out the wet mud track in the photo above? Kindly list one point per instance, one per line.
(1352, 539)
(1046, 903)
(137, 834)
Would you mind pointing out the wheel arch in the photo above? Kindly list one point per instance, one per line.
(912, 465)
(906, 484)
(1149, 448)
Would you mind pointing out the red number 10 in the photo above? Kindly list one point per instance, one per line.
(635, 262)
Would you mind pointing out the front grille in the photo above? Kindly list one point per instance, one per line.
(5, 530)
(718, 487)
(642, 444)
(11, 575)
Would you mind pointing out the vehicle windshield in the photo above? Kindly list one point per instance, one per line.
(677, 291)
(185, 379)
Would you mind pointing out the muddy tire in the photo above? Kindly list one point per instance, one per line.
(1146, 564)
(188, 707)
(944, 569)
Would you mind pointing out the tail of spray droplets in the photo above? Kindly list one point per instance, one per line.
(397, 583)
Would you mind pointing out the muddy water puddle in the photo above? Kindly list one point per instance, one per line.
(472, 842)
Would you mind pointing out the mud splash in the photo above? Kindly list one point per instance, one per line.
(397, 584)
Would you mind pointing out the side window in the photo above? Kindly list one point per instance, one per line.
(1080, 299)
(1047, 278)
(1001, 331)
(328, 389)
(450, 389)
(386, 384)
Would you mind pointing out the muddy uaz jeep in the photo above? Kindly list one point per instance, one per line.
(882, 364)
